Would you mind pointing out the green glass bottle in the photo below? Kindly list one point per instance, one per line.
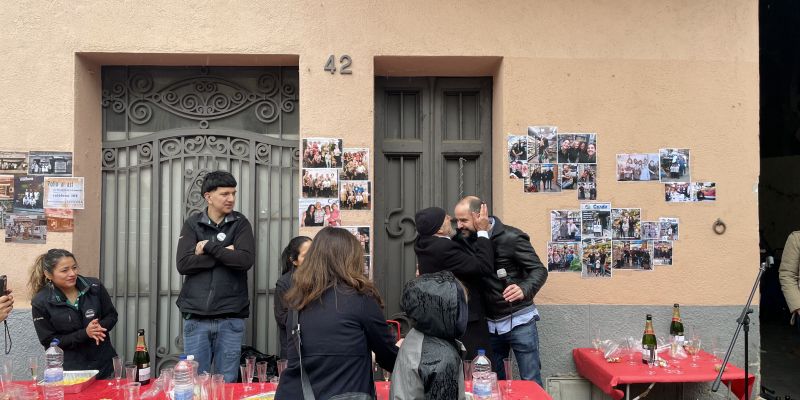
(676, 327)
(142, 359)
(649, 343)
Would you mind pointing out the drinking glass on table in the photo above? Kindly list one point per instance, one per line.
(634, 354)
(596, 339)
(130, 372)
(261, 371)
(117, 362)
(131, 390)
(218, 386)
(247, 377)
(251, 365)
(508, 366)
(692, 347)
(33, 366)
(169, 384)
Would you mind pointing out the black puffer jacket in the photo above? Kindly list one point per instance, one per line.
(53, 318)
(216, 281)
(429, 363)
(514, 252)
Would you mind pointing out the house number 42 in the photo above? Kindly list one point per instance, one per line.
(345, 62)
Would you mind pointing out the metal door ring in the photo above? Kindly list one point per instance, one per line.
(719, 227)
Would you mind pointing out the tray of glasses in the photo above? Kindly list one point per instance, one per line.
(76, 381)
(261, 396)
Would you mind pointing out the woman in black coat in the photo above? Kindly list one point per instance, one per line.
(74, 309)
(341, 321)
(291, 258)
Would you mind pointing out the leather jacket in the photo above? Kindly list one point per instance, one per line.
(513, 252)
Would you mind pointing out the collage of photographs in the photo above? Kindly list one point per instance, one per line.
(598, 239)
(671, 167)
(335, 179)
(550, 162)
(23, 176)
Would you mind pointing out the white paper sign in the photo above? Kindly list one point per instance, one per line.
(63, 192)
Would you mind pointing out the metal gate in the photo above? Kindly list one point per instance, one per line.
(433, 146)
(163, 130)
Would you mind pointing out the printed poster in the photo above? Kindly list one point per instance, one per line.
(64, 192)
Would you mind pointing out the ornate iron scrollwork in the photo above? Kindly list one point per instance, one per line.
(201, 98)
(195, 203)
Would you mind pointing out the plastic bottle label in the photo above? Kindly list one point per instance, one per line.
(53, 375)
(184, 394)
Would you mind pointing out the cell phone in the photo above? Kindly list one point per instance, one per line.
(3, 285)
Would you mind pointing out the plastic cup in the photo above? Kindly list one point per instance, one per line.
(508, 366)
(131, 390)
(130, 373)
(282, 364)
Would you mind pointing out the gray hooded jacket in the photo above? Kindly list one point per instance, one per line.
(429, 363)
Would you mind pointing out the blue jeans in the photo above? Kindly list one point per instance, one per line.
(215, 340)
(524, 340)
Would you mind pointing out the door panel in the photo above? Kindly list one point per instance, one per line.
(432, 147)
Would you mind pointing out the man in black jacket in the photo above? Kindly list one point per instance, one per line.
(510, 312)
(215, 250)
(437, 252)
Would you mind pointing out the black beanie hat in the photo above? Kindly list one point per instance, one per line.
(429, 220)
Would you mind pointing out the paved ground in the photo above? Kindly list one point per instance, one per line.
(780, 359)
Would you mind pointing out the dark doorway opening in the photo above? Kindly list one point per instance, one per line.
(779, 186)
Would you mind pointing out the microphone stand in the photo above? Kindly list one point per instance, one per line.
(743, 322)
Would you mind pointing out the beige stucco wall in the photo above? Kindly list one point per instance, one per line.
(643, 74)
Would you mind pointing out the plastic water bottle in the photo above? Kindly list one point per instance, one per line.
(481, 386)
(481, 363)
(54, 372)
(184, 384)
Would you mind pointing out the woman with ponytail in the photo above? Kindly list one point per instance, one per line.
(74, 309)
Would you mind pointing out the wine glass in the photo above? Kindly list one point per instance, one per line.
(633, 352)
(261, 371)
(596, 341)
(117, 371)
(243, 369)
(652, 361)
(692, 347)
(251, 368)
(33, 365)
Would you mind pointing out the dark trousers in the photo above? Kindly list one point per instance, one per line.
(476, 337)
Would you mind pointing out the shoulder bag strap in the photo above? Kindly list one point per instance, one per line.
(308, 393)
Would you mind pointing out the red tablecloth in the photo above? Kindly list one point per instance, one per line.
(519, 390)
(102, 390)
(606, 376)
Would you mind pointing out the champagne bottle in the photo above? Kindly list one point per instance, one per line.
(676, 327)
(142, 360)
(649, 343)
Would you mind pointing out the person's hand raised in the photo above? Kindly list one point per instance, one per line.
(481, 219)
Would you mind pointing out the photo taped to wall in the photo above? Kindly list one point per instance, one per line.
(355, 195)
(543, 178)
(28, 228)
(50, 163)
(29, 193)
(650, 230)
(596, 220)
(565, 225)
(361, 233)
(674, 165)
(322, 153)
(569, 176)
(13, 162)
(517, 148)
(626, 223)
(637, 167)
(577, 148)
(563, 257)
(517, 170)
(319, 212)
(668, 229)
(662, 252)
(320, 183)
(542, 140)
(596, 258)
(355, 164)
(633, 254)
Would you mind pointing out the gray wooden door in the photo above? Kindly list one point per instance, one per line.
(163, 130)
(432, 147)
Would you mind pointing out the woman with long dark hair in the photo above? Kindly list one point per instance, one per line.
(341, 321)
(74, 309)
(291, 257)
